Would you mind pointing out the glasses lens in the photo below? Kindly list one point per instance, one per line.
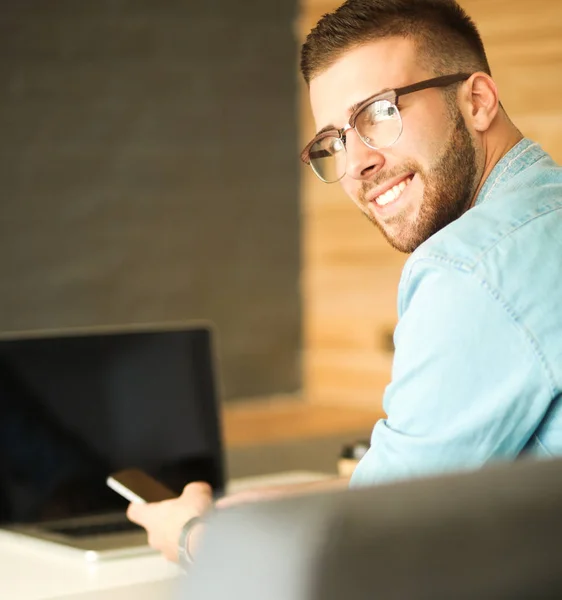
(327, 158)
(379, 124)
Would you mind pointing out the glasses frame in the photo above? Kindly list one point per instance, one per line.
(392, 96)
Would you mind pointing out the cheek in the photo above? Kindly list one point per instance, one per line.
(423, 136)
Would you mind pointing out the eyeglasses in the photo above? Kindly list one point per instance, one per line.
(377, 122)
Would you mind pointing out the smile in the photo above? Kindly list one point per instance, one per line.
(392, 194)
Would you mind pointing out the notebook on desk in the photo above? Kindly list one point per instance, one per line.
(76, 407)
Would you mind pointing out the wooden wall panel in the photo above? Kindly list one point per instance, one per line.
(350, 274)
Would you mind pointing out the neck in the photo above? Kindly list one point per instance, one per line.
(497, 141)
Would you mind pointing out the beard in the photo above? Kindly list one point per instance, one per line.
(448, 185)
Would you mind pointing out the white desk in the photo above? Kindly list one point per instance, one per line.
(34, 570)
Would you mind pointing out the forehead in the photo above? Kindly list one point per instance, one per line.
(360, 73)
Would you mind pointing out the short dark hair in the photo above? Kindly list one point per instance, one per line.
(446, 37)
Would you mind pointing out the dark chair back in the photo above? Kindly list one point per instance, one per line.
(491, 534)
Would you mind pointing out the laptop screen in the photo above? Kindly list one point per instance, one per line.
(74, 408)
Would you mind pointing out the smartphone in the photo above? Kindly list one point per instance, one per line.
(136, 486)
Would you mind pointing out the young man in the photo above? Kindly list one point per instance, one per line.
(409, 122)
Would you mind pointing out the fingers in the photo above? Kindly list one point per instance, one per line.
(163, 520)
(137, 512)
(142, 514)
(148, 514)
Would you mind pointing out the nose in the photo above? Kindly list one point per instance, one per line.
(362, 162)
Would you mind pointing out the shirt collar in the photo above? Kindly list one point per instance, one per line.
(523, 154)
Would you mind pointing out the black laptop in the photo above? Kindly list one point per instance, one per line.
(76, 407)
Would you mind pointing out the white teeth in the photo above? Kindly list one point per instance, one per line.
(392, 194)
(386, 197)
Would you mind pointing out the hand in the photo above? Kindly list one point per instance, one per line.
(163, 520)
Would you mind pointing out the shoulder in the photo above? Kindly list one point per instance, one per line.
(497, 235)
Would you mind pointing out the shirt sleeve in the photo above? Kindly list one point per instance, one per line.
(468, 385)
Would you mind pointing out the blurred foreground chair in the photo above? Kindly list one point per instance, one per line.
(492, 534)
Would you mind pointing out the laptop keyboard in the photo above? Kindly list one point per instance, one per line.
(79, 531)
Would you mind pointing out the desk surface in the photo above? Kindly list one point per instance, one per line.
(36, 570)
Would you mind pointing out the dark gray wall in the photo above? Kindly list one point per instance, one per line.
(148, 172)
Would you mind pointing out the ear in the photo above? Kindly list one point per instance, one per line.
(480, 101)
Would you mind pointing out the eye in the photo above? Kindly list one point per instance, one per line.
(381, 110)
(379, 124)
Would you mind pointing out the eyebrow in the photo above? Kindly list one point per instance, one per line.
(352, 109)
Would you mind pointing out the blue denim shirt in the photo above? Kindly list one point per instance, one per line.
(477, 372)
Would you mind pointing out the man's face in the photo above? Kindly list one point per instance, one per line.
(431, 169)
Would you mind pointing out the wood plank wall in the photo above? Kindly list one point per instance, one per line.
(350, 275)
